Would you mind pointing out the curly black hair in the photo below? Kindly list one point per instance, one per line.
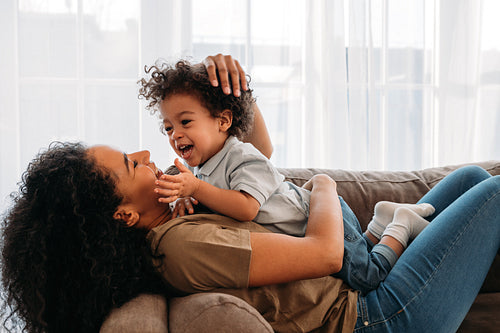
(183, 78)
(66, 262)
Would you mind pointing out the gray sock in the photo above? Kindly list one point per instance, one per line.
(406, 225)
(384, 213)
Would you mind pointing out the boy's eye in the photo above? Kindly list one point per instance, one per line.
(167, 128)
(185, 122)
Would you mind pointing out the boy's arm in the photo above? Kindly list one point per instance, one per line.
(236, 204)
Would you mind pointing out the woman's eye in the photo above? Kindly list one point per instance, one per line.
(135, 164)
(185, 122)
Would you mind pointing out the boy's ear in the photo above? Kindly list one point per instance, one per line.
(127, 214)
(225, 120)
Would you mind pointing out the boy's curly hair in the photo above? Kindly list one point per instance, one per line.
(66, 262)
(183, 78)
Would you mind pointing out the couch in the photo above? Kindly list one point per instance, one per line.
(215, 312)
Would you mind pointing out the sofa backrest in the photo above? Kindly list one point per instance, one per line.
(363, 189)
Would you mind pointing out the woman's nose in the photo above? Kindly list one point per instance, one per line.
(142, 156)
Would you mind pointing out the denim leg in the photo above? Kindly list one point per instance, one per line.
(453, 186)
(435, 281)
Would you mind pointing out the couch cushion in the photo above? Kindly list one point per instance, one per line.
(196, 313)
(143, 314)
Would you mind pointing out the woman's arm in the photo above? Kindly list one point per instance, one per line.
(259, 136)
(226, 66)
(278, 258)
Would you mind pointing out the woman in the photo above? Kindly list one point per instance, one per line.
(417, 294)
(65, 261)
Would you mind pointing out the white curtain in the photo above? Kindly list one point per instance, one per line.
(401, 84)
(381, 84)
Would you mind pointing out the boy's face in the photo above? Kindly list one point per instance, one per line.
(193, 133)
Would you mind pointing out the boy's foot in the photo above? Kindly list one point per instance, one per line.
(384, 214)
(405, 226)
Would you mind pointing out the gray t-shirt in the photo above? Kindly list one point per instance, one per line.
(284, 207)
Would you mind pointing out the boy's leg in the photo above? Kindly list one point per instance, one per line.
(406, 225)
(362, 268)
(435, 281)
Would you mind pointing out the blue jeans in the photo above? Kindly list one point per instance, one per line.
(435, 281)
(364, 266)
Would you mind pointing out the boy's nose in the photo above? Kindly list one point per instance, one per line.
(176, 134)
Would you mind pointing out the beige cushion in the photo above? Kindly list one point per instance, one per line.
(143, 314)
(196, 313)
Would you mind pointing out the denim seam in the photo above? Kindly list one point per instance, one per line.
(363, 309)
(437, 267)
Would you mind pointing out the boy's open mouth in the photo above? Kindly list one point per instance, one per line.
(186, 151)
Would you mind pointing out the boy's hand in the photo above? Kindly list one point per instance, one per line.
(171, 188)
(184, 206)
(226, 66)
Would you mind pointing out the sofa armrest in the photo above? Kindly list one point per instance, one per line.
(143, 314)
(214, 312)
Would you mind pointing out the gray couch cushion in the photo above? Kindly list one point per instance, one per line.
(143, 314)
(196, 313)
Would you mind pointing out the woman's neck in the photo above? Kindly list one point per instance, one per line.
(163, 218)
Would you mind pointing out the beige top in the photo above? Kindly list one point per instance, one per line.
(208, 252)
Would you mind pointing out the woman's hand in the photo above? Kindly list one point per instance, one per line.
(226, 66)
(322, 178)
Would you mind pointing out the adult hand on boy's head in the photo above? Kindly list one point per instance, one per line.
(226, 66)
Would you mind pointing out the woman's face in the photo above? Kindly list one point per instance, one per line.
(136, 176)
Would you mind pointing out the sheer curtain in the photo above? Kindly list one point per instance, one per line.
(381, 84)
(417, 86)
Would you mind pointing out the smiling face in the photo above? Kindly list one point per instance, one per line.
(136, 176)
(194, 134)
